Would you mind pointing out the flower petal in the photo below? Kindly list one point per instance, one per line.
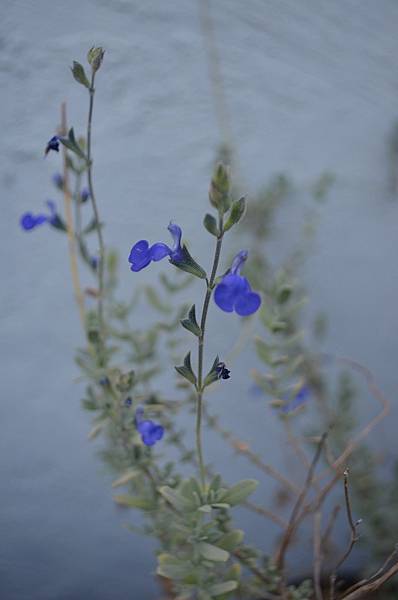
(176, 234)
(29, 221)
(139, 255)
(159, 251)
(238, 261)
(247, 304)
(231, 287)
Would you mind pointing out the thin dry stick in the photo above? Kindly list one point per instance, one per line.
(317, 555)
(377, 393)
(379, 573)
(329, 527)
(295, 516)
(354, 535)
(69, 223)
(264, 512)
(371, 586)
(243, 448)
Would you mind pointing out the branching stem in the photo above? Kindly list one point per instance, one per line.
(101, 245)
(199, 398)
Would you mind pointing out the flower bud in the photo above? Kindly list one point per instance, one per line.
(95, 56)
(219, 189)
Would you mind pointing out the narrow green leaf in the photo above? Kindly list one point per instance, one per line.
(71, 143)
(92, 226)
(58, 223)
(186, 369)
(133, 502)
(264, 351)
(283, 294)
(205, 508)
(176, 499)
(237, 212)
(230, 540)
(79, 74)
(125, 478)
(173, 568)
(239, 492)
(213, 553)
(212, 375)
(191, 323)
(222, 588)
(210, 224)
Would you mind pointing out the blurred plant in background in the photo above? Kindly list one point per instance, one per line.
(201, 554)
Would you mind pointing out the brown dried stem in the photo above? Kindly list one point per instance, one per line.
(354, 535)
(295, 515)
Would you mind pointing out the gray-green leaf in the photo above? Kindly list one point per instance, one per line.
(186, 369)
(213, 553)
(223, 588)
(239, 492)
(79, 74)
(191, 324)
(237, 212)
(210, 224)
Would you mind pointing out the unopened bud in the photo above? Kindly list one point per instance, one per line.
(95, 56)
(219, 189)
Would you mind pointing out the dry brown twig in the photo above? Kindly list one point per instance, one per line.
(386, 571)
(317, 555)
(295, 515)
(354, 535)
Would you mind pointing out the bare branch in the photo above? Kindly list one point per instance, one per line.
(295, 517)
(371, 586)
(354, 535)
(317, 555)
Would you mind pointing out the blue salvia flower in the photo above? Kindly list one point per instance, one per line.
(299, 399)
(94, 262)
(84, 194)
(142, 254)
(29, 221)
(53, 144)
(58, 180)
(234, 293)
(222, 371)
(150, 431)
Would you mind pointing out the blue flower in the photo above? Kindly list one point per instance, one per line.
(128, 402)
(297, 401)
(94, 262)
(222, 371)
(29, 221)
(234, 293)
(150, 431)
(84, 194)
(58, 180)
(53, 144)
(142, 254)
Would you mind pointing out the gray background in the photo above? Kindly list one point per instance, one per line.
(310, 86)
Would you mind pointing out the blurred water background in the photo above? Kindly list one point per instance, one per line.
(309, 86)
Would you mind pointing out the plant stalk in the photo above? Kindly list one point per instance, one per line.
(201, 339)
(101, 246)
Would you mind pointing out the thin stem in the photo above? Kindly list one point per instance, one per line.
(295, 515)
(354, 536)
(199, 398)
(95, 210)
(69, 224)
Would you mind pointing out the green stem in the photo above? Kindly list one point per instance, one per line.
(95, 210)
(199, 398)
